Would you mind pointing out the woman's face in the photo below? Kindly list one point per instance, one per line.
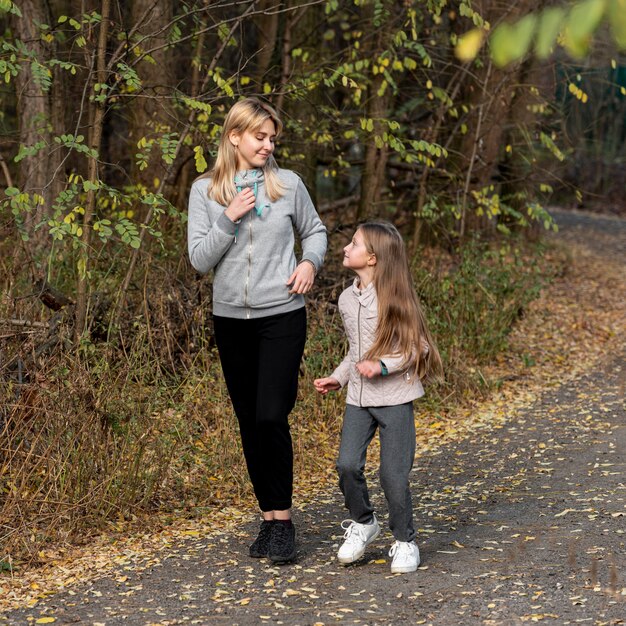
(254, 148)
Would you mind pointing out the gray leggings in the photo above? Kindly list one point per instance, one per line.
(397, 450)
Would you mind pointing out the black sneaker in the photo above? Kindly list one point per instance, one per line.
(282, 542)
(260, 548)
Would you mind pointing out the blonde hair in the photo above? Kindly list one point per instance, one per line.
(401, 322)
(247, 115)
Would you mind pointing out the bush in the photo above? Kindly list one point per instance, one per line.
(144, 423)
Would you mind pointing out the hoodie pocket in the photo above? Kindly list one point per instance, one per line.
(268, 281)
(228, 283)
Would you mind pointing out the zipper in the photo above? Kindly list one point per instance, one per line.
(358, 324)
(245, 297)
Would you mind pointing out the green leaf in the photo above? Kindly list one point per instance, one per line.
(581, 23)
(549, 26)
(201, 163)
(192, 103)
(510, 43)
(617, 19)
(10, 7)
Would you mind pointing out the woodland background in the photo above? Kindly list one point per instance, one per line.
(111, 399)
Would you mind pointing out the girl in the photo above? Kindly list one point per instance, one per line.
(390, 350)
(242, 217)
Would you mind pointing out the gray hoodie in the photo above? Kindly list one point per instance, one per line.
(253, 259)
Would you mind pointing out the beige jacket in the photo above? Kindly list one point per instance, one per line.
(359, 312)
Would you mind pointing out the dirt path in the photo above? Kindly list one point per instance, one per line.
(521, 523)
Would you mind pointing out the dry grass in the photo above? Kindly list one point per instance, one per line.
(112, 431)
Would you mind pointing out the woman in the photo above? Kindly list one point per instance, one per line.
(242, 217)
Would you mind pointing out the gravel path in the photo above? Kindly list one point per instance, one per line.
(520, 524)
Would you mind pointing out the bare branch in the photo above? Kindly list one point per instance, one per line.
(5, 171)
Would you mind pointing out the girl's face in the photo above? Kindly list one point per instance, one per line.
(254, 148)
(356, 255)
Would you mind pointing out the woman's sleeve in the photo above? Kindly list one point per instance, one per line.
(207, 242)
(310, 227)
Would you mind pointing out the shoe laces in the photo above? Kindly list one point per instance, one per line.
(281, 534)
(402, 549)
(354, 531)
(265, 531)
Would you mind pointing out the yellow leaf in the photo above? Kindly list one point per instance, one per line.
(291, 592)
(469, 45)
(46, 620)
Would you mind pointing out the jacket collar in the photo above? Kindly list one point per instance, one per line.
(367, 296)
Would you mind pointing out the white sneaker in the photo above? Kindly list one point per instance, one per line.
(406, 557)
(357, 538)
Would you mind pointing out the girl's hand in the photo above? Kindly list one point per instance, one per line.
(302, 278)
(324, 385)
(369, 369)
(241, 204)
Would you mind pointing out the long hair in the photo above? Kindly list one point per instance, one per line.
(249, 115)
(402, 327)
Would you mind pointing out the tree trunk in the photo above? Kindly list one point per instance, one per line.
(34, 116)
(300, 32)
(267, 28)
(151, 111)
(95, 140)
(373, 175)
(490, 96)
(377, 109)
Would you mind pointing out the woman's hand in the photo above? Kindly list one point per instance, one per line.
(324, 385)
(302, 278)
(241, 204)
(369, 369)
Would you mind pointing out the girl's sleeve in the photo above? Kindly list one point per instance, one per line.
(342, 372)
(393, 362)
(207, 242)
(396, 362)
(310, 227)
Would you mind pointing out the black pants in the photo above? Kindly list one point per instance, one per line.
(261, 359)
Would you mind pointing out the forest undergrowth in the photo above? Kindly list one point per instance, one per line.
(136, 430)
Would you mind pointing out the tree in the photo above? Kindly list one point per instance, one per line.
(376, 105)
(38, 99)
